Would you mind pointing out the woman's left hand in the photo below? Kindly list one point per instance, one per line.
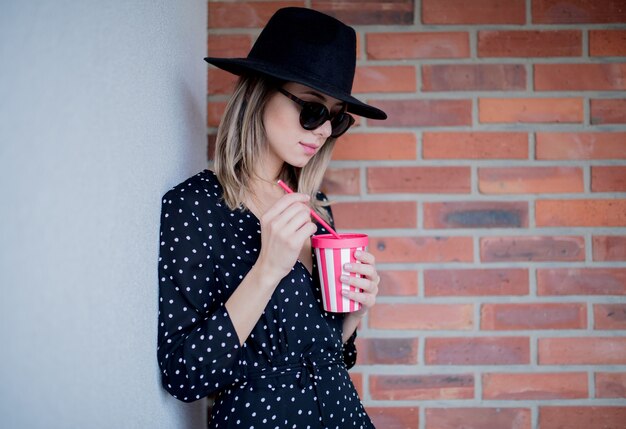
(368, 282)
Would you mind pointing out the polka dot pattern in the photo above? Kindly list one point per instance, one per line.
(292, 370)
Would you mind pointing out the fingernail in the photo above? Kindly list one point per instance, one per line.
(347, 266)
(344, 278)
(357, 253)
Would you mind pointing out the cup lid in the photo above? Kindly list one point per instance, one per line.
(328, 241)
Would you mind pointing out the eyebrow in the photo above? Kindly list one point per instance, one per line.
(322, 98)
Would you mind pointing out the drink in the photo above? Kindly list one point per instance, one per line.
(332, 253)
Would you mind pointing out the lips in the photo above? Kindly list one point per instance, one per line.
(309, 148)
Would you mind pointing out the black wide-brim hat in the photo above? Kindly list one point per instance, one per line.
(308, 47)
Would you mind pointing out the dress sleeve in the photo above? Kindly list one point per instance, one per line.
(198, 348)
(349, 347)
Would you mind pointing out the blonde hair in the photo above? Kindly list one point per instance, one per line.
(241, 139)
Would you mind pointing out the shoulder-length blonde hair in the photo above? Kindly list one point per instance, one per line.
(241, 140)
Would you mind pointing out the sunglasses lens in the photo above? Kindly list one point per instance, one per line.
(340, 124)
(313, 115)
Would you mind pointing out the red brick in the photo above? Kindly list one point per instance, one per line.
(215, 110)
(475, 145)
(581, 212)
(421, 316)
(478, 351)
(342, 181)
(474, 77)
(403, 46)
(577, 12)
(476, 282)
(510, 317)
(357, 380)
(245, 14)
(418, 180)
(582, 417)
(580, 77)
(420, 387)
(610, 384)
(478, 418)
(385, 79)
(530, 180)
(609, 316)
(475, 12)
(375, 214)
(533, 386)
(532, 248)
(394, 417)
(421, 249)
(377, 146)
(228, 45)
(424, 113)
(607, 43)
(530, 110)
(396, 351)
(476, 214)
(608, 179)
(609, 248)
(582, 351)
(586, 145)
(581, 281)
(608, 111)
(397, 283)
(220, 82)
(524, 44)
(211, 146)
(359, 12)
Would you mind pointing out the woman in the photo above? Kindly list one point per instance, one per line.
(240, 311)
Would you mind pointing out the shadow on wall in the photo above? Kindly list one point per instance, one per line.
(192, 160)
(195, 124)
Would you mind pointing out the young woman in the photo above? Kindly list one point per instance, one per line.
(240, 312)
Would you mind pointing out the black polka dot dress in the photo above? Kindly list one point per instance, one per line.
(292, 370)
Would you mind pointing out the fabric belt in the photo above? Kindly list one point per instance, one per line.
(308, 368)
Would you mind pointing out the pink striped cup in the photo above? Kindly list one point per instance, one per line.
(332, 253)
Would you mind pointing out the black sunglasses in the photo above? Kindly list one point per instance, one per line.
(313, 115)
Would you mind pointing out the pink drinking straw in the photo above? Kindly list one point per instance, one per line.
(315, 215)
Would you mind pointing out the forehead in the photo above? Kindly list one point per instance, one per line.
(298, 89)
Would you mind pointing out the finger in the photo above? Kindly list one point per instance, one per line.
(283, 219)
(362, 283)
(363, 269)
(304, 232)
(283, 202)
(365, 257)
(366, 299)
(297, 219)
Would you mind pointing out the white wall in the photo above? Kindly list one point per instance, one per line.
(102, 109)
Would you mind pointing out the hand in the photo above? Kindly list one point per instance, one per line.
(284, 229)
(368, 282)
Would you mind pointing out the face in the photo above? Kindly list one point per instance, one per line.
(287, 141)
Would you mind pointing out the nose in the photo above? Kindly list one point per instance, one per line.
(324, 130)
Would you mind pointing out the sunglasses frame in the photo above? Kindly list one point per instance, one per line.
(327, 116)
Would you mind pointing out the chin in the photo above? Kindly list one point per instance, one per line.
(299, 161)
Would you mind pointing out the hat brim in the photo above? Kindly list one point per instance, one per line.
(240, 66)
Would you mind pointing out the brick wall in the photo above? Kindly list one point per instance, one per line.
(495, 198)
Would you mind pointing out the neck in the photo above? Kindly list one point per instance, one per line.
(268, 168)
(264, 178)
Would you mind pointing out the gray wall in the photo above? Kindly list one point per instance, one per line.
(102, 109)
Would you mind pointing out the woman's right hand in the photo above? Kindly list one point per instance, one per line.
(284, 229)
